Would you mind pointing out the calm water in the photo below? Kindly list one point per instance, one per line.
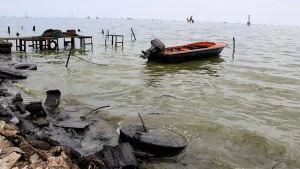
(240, 112)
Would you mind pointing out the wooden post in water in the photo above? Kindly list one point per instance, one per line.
(69, 57)
(8, 30)
(72, 42)
(132, 34)
(233, 47)
(248, 23)
(143, 123)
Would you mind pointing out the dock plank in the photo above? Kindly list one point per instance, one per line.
(29, 38)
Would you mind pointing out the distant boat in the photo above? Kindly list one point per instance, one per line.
(248, 23)
(88, 17)
(97, 17)
(129, 18)
(194, 51)
(26, 16)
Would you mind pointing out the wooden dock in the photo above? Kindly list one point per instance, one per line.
(44, 43)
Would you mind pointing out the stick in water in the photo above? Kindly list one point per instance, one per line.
(233, 47)
(143, 123)
(83, 117)
(69, 57)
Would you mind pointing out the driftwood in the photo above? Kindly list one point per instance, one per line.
(84, 117)
(26, 147)
(143, 123)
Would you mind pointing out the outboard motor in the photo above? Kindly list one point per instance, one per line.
(156, 47)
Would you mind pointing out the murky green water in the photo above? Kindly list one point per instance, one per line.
(240, 112)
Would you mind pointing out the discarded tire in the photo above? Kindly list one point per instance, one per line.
(8, 73)
(159, 142)
(5, 44)
(5, 47)
(55, 45)
(27, 66)
(5, 50)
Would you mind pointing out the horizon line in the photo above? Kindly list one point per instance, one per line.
(161, 19)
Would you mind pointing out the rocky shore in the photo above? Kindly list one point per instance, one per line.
(41, 134)
(32, 136)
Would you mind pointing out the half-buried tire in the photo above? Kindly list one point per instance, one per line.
(158, 142)
(5, 44)
(27, 66)
(8, 73)
(5, 50)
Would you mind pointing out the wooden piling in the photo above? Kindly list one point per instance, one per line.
(116, 39)
(233, 47)
(72, 42)
(68, 58)
(143, 123)
(132, 34)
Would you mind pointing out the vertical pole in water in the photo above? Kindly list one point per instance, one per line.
(8, 30)
(69, 57)
(143, 123)
(248, 23)
(233, 47)
(132, 34)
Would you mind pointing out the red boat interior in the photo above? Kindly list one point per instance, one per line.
(192, 46)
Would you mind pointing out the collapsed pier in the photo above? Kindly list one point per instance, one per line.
(50, 40)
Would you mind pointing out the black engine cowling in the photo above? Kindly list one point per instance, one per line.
(156, 47)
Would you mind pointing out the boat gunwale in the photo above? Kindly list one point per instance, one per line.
(216, 45)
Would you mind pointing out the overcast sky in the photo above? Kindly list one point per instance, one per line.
(284, 12)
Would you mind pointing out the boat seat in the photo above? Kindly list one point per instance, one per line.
(184, 49)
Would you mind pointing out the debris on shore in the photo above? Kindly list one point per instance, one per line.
(34, 135)
(28, 142)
